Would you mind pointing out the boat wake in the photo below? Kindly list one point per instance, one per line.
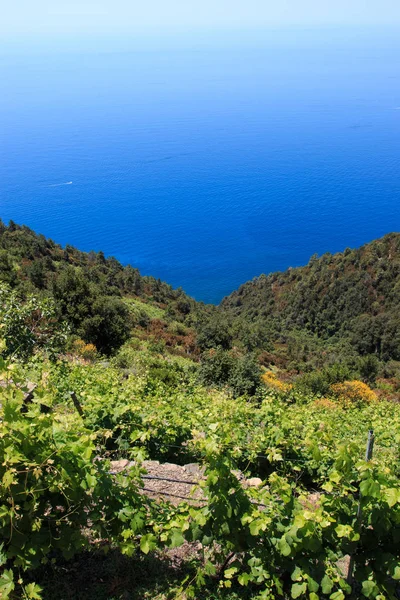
(58, 184)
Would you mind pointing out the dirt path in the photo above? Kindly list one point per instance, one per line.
(172, 482)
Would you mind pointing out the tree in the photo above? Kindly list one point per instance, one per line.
(74, 295)
(216, 367)
(104, 321)
(222, 368)
(369, 368)
(245, 377)
(7, 271)
(108, 326)
(37, 274)
(29, 326)
(213, 333)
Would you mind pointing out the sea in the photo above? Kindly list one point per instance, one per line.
(208, 158)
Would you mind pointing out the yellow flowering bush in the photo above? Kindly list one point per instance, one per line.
(86, 351)
(353, 392)
(271, 380)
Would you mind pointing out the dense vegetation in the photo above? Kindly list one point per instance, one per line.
(98, 363)
(333, 320)
(288, 536)
(353, 296)
(87, 288)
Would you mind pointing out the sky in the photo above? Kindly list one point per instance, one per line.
(93, 17)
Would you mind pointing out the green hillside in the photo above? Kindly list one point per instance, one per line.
(100, 299)
(353, 295)
(153, 447)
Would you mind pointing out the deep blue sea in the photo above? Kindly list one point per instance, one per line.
(208, 160)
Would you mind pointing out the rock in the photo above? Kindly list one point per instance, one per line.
(120, 465)
(253, 482)
(194, 469)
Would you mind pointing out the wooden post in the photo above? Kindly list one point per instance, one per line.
(370, 445)
(368, 456)
(77, 404)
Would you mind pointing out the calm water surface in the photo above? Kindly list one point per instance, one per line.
(206, 162)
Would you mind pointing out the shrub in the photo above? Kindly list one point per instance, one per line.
(369, 368)
(214, 333)
(86, 351)
(245, 376)
(216, 367)
(353, 391)
(109, 326)
(55, 497)
(271, 380)
(222, 368)
(29, 326)
(314, 383)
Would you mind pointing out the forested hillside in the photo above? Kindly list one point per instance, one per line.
(87, 287)
(114, 388)
(353, 295)
(333, 320)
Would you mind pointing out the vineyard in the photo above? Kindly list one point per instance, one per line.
(287, 506)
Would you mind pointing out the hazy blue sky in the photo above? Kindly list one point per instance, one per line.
(120, 16)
